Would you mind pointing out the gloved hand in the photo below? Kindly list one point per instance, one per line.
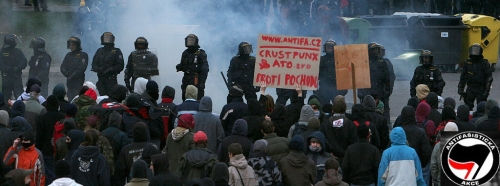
(461, 92)
(178, 67)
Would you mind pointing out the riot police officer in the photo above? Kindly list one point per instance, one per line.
(107, 63)
(427, 74)
(74, 66)
(477, 76)
(381, 76)
(327, 76)
(12, 62)
(241, 70)
(194, 64)
(141, 63)
(40, 63)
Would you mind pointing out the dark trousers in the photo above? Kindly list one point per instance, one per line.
(12, 86)
(105, 84)
(49, 168)
(74, 86)
(40, 3)
(474, 94)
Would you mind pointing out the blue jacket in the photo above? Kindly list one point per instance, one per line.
(400, 164)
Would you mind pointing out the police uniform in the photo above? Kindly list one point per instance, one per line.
(327, 89)
(40, 64)
(241, 71)
(12, 62)
(73, 68)
(477, 76)
(427, 74)
(107, 63)
(194, 64)
(141, 63)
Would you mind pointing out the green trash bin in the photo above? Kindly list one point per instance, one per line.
(404, 65)
(359, 30)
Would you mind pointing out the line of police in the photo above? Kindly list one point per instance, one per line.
(108, 62)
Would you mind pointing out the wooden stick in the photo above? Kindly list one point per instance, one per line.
(354, 83)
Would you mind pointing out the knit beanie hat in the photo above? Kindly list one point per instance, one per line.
(200, 137)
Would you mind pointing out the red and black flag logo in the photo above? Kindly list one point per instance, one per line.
(470, 158)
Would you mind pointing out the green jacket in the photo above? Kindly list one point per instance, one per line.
(83, 103)
(177, 144)
(277, 147)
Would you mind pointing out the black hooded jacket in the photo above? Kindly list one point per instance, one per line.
(89, 167)
(197, 163)
(115, 136)
(435, 115)
(240, 131)
(254, 120)
(45, 126)
(417, 139)
(378, 120)
(234, 110)
(463, 122)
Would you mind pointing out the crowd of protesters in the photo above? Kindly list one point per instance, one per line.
(143, 138)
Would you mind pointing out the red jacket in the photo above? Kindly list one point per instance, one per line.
(30, 158)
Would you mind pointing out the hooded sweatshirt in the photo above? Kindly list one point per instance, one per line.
(18, 109)
(240, 173)
(319, 156)
(297, 169)
(179, 141)
(77, 137)
(197, 163)
(417, 139)
(115, 136)
(421, 116)
(493, 121)
(209, 123)
(64, 182)
(255, 119)
(435, 115)
(239, 135)
(306, 114)
(378, 120)
(140, 85)
(265, 168)
(89, 167)
(400, 164)
(220, 174)
(18, 126)
(463, 119)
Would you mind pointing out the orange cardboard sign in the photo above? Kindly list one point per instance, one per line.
(358, 56)
(287, 61)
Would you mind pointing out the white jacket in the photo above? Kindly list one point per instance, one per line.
(64, 182)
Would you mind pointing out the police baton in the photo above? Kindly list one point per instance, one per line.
(225, 80)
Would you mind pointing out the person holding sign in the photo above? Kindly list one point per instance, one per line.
(194, 64)
(241, 70)
(327, 76)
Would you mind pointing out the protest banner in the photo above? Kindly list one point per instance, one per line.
(287, 62)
